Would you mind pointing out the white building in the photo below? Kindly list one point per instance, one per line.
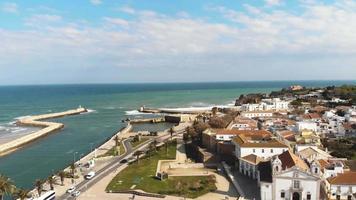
(260, 143)
(288, 177)
(306, 125)
(342, 187)
(241, 123)
(275, 104)
(253, 114)
(252, 147)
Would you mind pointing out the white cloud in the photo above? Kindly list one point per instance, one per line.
(116, 21)
(9, 7)
(96, 2)
(319, 40)
(38, 20)
(127, 9)
(273, 2)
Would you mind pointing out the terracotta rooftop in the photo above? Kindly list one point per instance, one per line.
(323, 163)
(289, 160)
(261, 133)
(311, 116)
(252, 158)
(347, 178)
(260, 138)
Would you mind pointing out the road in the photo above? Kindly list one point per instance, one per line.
(113, 165)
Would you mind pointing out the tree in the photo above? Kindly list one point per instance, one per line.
(151, 149)
(186, 138)
(166, 145)
(22, 194)
(72, 169)
(217, 122)
(137, 154)
(6, 186)
(154, 143)
(51, 181)
(39, 186)
(171, 131)
(117, 141)
(62, 174)
(214, 110)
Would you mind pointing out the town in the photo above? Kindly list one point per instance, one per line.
(297, 143)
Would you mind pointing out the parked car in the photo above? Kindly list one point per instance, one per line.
(123, 161)
(71, 189)
(76, 193)
(90, 175)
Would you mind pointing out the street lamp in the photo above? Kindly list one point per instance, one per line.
(74, 157)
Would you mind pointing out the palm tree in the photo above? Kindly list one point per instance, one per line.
(117, 141)
(39, 186)
(62, 174)
(22, 194)
(171, 131)
(151, 149)
(166, 145)
(72, 169)
(214, 110)
(6, 186)
(51, 180)
(154, 143)
(137, 154)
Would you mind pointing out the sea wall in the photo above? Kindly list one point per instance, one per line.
(49, 127)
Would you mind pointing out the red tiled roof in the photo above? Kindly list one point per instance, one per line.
(347, 178)
(289, 160)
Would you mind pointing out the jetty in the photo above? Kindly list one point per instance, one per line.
(174, 110)
(48, 127)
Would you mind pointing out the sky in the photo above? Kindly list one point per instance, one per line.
(127, 41)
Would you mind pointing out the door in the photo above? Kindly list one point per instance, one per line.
(296, 196)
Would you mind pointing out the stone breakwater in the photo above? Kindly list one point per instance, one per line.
(49, 127)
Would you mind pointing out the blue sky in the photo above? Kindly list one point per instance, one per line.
(111, 41)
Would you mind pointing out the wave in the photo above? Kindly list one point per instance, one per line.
(22, 117)
(17, 129)
(91, 110)
(135, 112)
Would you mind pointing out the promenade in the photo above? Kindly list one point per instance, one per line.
(49, 127)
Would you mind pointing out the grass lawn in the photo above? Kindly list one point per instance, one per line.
(142, 175)
(112, 151)
(136, 143)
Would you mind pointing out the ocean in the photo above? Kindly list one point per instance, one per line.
(109, 105)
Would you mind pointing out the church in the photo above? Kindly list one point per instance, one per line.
(288, 177)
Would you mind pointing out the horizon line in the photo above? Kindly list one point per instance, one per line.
(176, 82)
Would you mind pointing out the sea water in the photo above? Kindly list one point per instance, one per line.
(109, 105)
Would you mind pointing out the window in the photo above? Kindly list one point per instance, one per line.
(271, 150)
(316, 170)
(308, 196)
(254, 150)
(263, 150)
(283, 194)
(296, 184)
(349, 197)
(338, 197)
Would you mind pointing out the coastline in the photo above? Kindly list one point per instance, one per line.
(49, 127)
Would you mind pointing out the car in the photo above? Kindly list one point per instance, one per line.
(123, 161)
(90, 175)
(71, 189)
(76, 193)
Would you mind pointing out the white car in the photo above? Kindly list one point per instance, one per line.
(76, 193)
(71, 190)
(90, 175)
